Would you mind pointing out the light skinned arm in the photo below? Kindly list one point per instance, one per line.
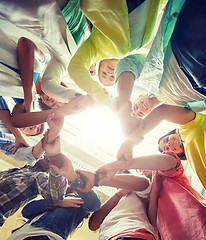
(174, 114)
(125, 83)
(123, 181)
(97, 217)
(35, 118)
(153, 203)
(170, 113)
(162, 162)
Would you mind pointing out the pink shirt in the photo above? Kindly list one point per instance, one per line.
(181, 209)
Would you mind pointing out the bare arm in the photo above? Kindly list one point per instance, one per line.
(5, 117)
(26, 50)
(35, 118)
(162, 162)
(170, 113)
(153, 204)
(97, 217)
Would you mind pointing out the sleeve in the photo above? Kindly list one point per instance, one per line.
(132, 63)
(35, 207)
(197, 106)
(146, 192)
(111, 19)
(91, 199)
(51, 82)
(79, 72)
(53, 187)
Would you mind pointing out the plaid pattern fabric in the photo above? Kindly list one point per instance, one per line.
(19, 185)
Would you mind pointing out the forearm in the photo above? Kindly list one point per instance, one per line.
(25, 59)
(129, 182)
(97, 217)
(91, 200)
(55, 188)
(162, 162)
(125, 84)
(29, 118)
(38, 150)
(5, 117)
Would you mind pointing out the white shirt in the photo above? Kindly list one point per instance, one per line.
(129, 215)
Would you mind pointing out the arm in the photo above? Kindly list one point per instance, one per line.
(79, 71)
(25, 57)
(34, 118)
(153, 203)
(51, 82)
(98, 217)
(55, 125)
(161, 162)
(170, 113)
(5, 117)
(124, 181)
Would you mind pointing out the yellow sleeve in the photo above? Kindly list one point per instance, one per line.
(194, 138)
(110, 38)
(155, 8)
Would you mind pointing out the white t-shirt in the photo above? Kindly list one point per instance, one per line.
(175, 87)
(129, 215)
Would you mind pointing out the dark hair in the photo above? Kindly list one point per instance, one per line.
(40, 132)
(43, 105)
(174, 131)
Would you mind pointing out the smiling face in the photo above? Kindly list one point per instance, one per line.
(142, 106)
(171, 143)
(52, 103)
(32, 130)
(106, 71)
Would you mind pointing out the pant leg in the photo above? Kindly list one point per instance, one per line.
(189, 41)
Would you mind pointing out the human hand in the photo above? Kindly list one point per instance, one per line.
(129, 123)
(55, 125)
(72, 107)
(88, 178)
(87, 101)
(20, 142)
(53, 148)
(70, 202)
(66, 169)
(109, 170)
(125, 153)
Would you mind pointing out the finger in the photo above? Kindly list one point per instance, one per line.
(15, 149)
(56, 169)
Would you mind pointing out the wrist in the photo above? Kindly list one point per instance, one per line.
(96, 179)
(76, 180)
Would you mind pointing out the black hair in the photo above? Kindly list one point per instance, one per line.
(174, 131)
(43, 105)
